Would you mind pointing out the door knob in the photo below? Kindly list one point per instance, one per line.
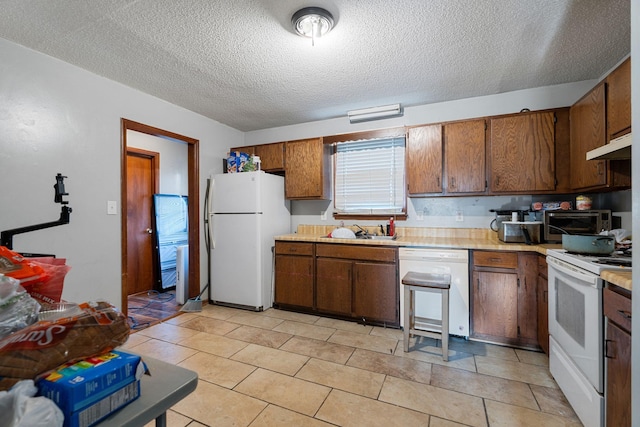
(149, 230)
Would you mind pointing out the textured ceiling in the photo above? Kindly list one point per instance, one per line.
(240, 63)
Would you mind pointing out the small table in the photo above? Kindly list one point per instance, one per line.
(167, 385)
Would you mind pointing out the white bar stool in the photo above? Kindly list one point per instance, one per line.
(436, 328)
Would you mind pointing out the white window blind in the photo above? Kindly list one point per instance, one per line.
(370, 176)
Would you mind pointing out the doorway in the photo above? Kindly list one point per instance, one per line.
(130, 273)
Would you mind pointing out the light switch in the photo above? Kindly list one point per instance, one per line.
(112, 207)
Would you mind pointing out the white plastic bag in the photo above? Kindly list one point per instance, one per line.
(19, 408)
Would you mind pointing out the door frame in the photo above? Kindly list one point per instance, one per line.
(193, 208)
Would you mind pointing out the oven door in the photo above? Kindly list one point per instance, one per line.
(575, 317)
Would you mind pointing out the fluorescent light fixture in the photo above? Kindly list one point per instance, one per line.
(375, 113)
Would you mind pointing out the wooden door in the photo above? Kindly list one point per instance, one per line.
(618, 387)
(142, 183)
(307, 173)
(424, 160)
(333, 285)
(495, 304)
(464, 154)
(271, 156)
(375, 292)
(543, 304)
(619, 100)
(294, 280)
(527, 297)
(588, 131)
(523, 153)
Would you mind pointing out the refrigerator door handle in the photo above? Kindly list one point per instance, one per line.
(210, 241)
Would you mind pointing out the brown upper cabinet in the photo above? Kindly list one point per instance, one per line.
(464, 157)
(619, 100)
(308, 169)
(271, 155)
(522, 153)
(424, 160)
(588, 131)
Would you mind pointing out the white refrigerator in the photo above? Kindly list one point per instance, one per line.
(244, 212)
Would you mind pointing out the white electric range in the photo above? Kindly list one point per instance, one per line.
(576, 328)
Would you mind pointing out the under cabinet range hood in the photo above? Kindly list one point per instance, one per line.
(617, 149)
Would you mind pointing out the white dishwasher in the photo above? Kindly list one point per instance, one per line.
(441, 261)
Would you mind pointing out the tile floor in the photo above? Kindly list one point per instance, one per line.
(279, 368)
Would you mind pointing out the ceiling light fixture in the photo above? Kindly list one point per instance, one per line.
(375, 113)
(313, 22)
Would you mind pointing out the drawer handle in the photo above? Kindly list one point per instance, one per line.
(495, 259)
(625, 314)
(293, 249)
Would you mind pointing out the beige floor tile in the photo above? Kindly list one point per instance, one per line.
(533, 357)
(319, 349)
(255, 320)
(218, 311)
(284, 391)
(167, 352)
(290, 315)
(430, 354)
(167, 332)
(344, 325)
(183, 317)
(482, 349)
(274, 416)
(259, 336)
(214, 344)
(532, 374)
(442, 403)
(270, 358)
(507, 391)
(400, 367)
(396, 334)
(346, 409)
(134, 339)
(213, 405)
(305, 330)
(552, 401)
(173, 420)
(503, 415)
(439, 422)
(218, 370)
(354, 380)
(210, 325)
(367, 342)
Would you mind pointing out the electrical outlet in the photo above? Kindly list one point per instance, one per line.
(112, 207)
(459, 216)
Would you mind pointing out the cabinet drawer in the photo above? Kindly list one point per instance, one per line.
(495, 259)
(294, 248)
(617, 308)
(356, 252)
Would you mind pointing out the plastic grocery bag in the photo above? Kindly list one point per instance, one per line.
(19, 408)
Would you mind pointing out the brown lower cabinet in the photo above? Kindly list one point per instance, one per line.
(348, 281)
(617, 394)
(543, 304)
(504, 300)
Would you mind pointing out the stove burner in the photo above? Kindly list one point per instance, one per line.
(620, 261)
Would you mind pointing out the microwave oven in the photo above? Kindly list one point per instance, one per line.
(574, 222)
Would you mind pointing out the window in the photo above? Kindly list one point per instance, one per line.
(369, 177)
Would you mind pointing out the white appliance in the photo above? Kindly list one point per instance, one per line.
(244, 211)
(576, 337)
(440, 261)
(182, 274)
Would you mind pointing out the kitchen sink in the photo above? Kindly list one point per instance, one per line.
(373, 237)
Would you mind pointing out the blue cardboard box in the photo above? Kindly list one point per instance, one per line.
(91, 389)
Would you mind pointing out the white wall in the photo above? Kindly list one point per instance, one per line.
(55, 117)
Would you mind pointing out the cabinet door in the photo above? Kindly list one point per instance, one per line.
(543, 305)
(424, 160)
(527, 297)
(250, 150)
(375, 292)
(333, 285)
(587, 117)
(618, 383)
(495, 304)
(619, 100)
(307, 169)
(271, 156)
(294, 280)
(522, 151)
(464, 154)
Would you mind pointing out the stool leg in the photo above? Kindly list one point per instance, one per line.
(407, 319)
(445, 325)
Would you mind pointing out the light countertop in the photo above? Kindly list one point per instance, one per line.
(620, 278)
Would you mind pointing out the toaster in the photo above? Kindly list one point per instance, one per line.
(517, 232)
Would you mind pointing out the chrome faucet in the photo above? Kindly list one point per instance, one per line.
(364, 232)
